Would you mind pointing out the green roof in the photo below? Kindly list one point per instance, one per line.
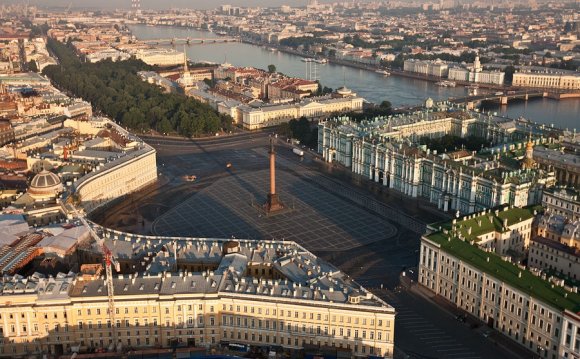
(507, 272)
(513, 215)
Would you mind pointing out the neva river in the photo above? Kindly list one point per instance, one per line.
(400, 91)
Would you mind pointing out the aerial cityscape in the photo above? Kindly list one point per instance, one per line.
(290, 179)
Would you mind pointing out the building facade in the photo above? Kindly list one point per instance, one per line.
(429, 68)
(527, 308)
(551, 255)
(117, 178)
(475, 73)
(482, 77)
(564, 164)
(385, 150)
(297, 302)
(131, 167)
(547, 80)
(254, 118)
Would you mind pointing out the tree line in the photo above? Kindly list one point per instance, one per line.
(114, 89)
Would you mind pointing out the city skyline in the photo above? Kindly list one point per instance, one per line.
(153, 4)
(355, 182)
(194, 4)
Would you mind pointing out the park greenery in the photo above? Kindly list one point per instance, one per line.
(306, 41)
(302, 130)
(114, 89)
(370, 111)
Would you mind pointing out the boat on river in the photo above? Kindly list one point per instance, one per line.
(446, 83)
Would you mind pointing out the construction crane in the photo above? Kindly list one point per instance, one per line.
(110, 261)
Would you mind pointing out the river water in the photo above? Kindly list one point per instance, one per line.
(400, 91)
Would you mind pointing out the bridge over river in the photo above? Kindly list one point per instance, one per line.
(191, 40)
(504, 97)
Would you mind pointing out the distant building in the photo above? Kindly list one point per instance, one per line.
(559, 229)
(435, 68)
(475, 73)
(130, 167)
(562, 201)
(291, 88)
(562, 81)
(254, 118)
(107, 54)
(158, 56)
(41, 203)
(154, 78)
(565, 165)
(550, 255)
(6, 132)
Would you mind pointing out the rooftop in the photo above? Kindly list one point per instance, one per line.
(507, 272)
(492, 221)
(303, 276)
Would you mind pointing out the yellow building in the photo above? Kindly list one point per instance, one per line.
(116, 173)
(531, 310)
(316, 107)
(309, 303)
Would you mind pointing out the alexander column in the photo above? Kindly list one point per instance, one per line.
(273, 203)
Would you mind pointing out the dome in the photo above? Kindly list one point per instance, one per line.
(45, 184)
(343, 91)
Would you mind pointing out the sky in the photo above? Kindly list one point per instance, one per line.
(157, 4)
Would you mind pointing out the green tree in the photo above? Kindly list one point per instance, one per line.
(386, 106)
(32, 66)
(509, 74)
(271, 68)
(116, 90)
(284, 130)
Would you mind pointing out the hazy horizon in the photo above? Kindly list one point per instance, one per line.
(155, 4)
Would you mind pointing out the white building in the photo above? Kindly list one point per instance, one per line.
(158, 56)
(435, 68)
(382, 150)
(475, 73)
(107, 54)
(548, 80)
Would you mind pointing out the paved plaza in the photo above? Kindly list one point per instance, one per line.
(315, 218)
